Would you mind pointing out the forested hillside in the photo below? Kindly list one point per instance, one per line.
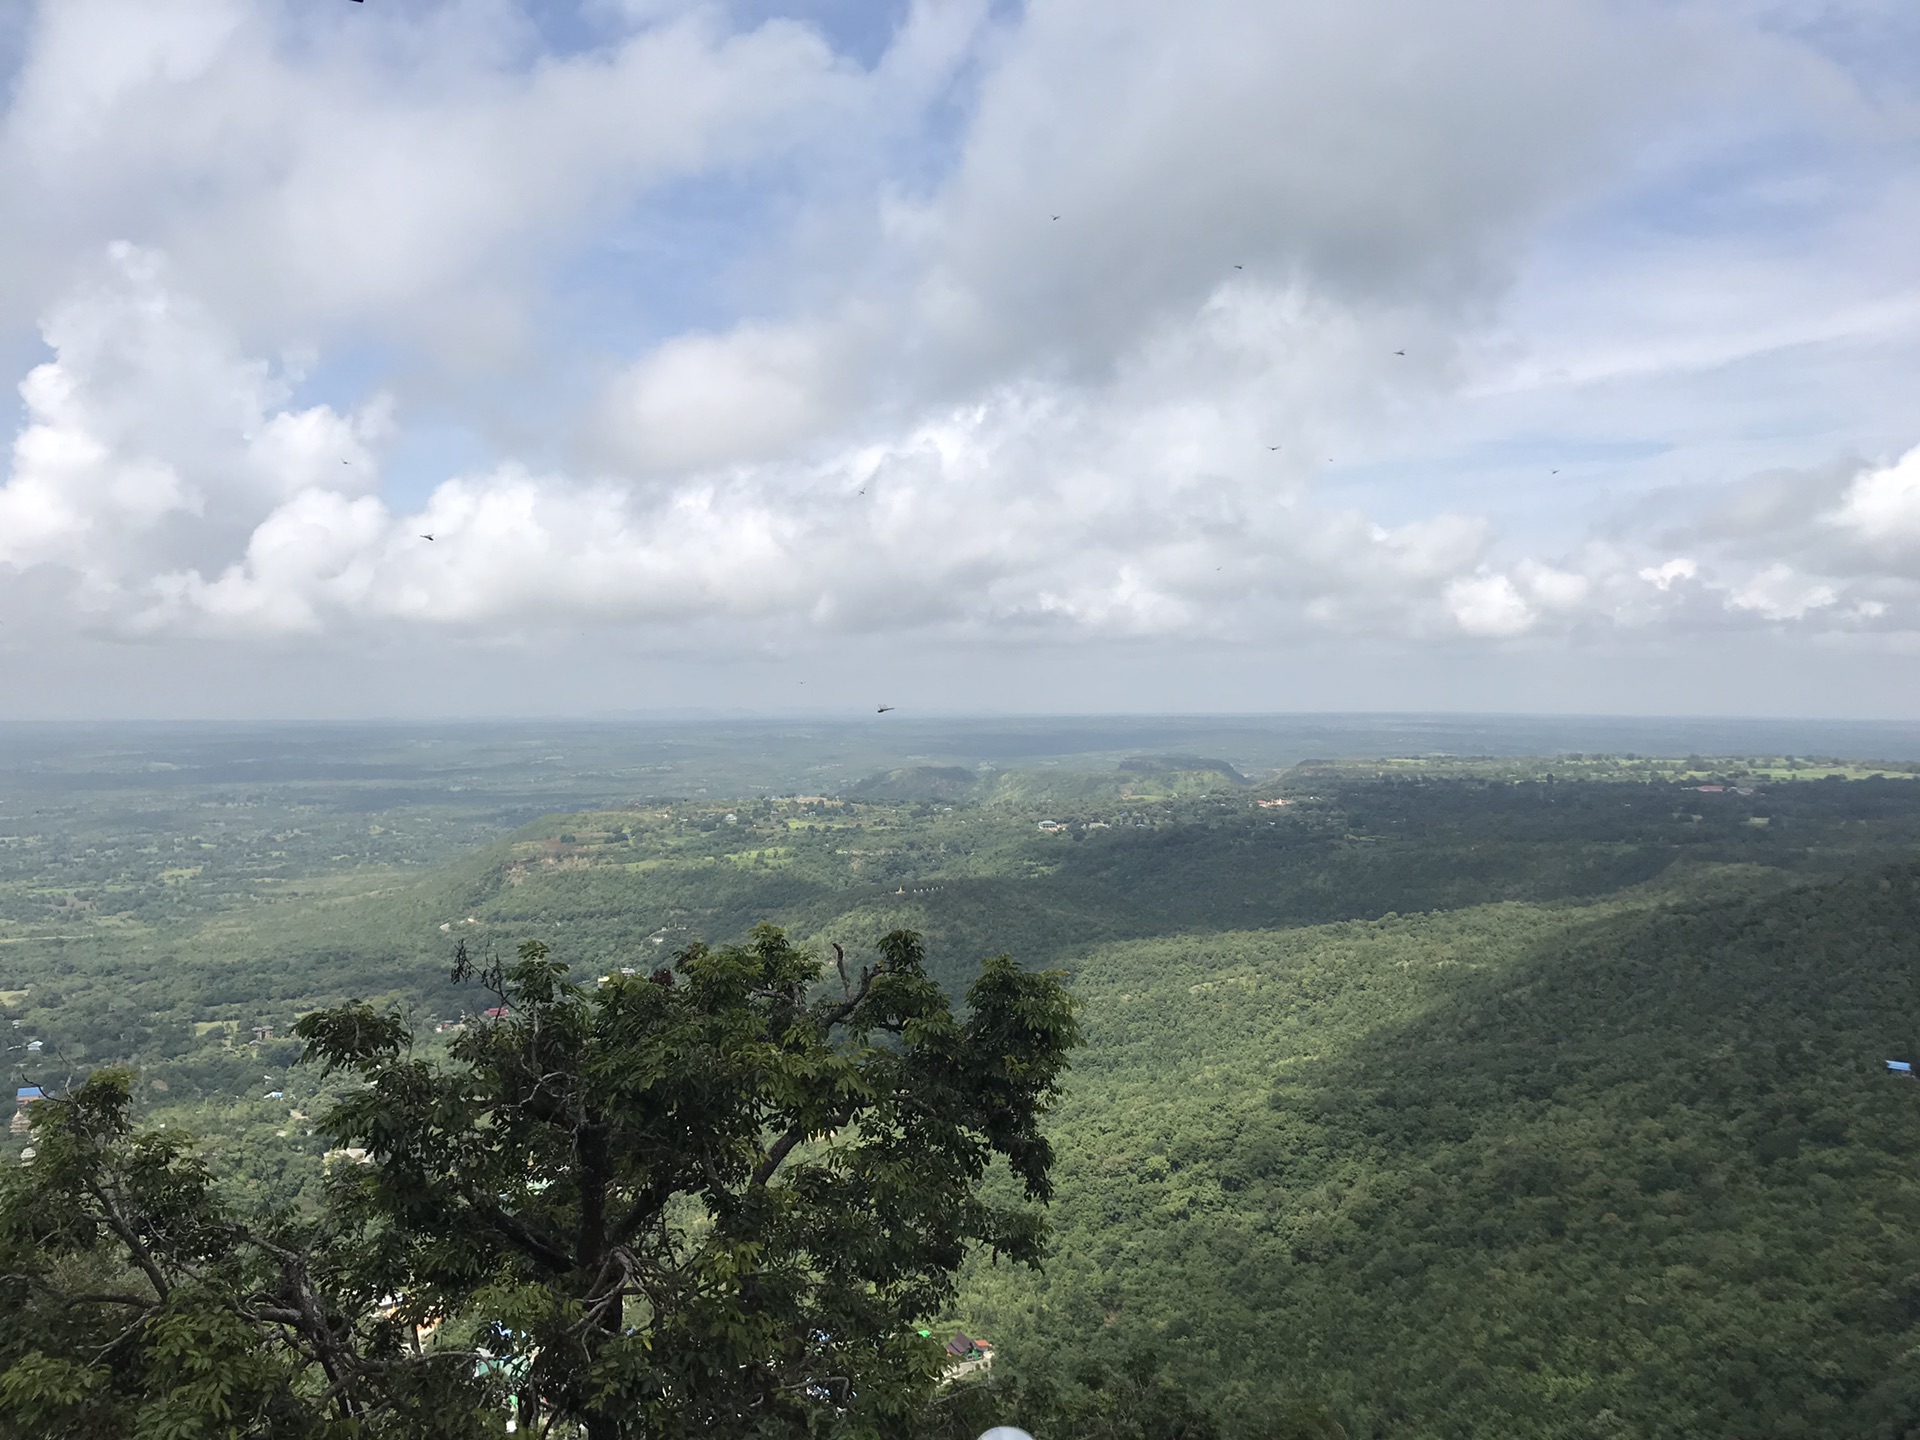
(1518, 1097)
(1632, 1168)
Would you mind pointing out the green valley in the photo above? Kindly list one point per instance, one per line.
(1529, 1095)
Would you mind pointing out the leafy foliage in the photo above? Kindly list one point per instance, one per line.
(138, 1304)
(706, 1200)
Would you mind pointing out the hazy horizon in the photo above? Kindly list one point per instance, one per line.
(723, 744)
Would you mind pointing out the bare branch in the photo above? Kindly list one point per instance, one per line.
(834, 1014)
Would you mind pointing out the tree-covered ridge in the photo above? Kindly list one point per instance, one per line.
(1633, 1168)
(618, 889)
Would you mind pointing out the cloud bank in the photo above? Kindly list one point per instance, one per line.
(1242, 325)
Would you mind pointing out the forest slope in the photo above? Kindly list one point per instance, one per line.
(1631, 1168)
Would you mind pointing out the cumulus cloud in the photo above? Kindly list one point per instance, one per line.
(1881, 508)
(1488, 605)
(149, 436)
(1098, 319)
(174, 477)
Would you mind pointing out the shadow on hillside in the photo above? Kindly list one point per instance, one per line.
(1653, 1180)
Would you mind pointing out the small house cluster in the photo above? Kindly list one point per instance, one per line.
(965, 1355)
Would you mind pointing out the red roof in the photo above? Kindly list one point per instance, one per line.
(499, 1012)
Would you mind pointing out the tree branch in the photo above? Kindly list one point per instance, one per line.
(135, 1246)
(647, 1203)
(517, 1233)
(834, 1014)
(783, 1147)
(133, 1300)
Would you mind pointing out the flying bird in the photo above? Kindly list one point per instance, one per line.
(1056, 217)
(883, 709)
(1399, 352)
(1239, 267)
(426, 537)
(1273, 447)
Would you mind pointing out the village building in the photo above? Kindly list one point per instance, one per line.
(967, 1356)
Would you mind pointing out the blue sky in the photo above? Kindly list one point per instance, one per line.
(726, 347)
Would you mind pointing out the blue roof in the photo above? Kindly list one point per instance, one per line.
(30, 1092)
(1901, 1065)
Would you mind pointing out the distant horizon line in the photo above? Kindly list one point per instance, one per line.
(699, 715)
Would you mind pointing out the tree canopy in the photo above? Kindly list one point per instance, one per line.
(717, 1199)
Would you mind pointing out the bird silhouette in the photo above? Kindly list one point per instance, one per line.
(1273, 447)
(883, 709)
(1239, 267)
(1056, 217)
(1399, 352)
(426, 537)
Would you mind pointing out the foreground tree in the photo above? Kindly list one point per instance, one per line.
(133, 1302)
(714, 1200)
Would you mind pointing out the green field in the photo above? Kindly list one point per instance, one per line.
(1540, 1094)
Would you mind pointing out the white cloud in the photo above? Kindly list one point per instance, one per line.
(149, 435)
(1777, 593)
(1366, 320)
(411, 171)
(211, 505)
(704, 400)
(1881, 507)
(1552, 588)
(1488, 605)
(1669, 573)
